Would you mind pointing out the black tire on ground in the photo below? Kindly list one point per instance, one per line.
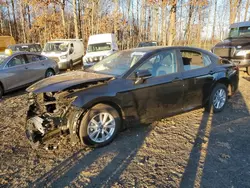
(49, 73)
(1, 91)
(71, 65)
(210, 105)
(86, 125)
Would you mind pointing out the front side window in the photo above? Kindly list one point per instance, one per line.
(16, 61)
(118, 63)
(193, 60)
(99, 47)
(163, 63)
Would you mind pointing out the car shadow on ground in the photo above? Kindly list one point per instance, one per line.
(14, 94)
(116, 157)
(220, 156)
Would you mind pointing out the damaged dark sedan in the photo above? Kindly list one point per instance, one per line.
(128, 88)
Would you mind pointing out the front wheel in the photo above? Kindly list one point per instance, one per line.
(1, 91)
(99, 126)
(218, 98)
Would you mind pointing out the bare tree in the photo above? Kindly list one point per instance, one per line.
(75, 19)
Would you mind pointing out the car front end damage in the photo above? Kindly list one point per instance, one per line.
(50, 114)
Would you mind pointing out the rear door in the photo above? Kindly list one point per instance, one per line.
(197, 73)
(36, 67)
(16, 72)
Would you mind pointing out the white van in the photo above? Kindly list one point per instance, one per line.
(99, 47)
(66, 52)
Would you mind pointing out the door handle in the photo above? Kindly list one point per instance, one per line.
(26, 68)
(211, 72)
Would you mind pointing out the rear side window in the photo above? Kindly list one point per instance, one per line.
(32, 58)
(194, 60)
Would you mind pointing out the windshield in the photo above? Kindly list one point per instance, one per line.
(239, 32)
(2, 58)
(118, 63)
(56, 47)
(99, 47)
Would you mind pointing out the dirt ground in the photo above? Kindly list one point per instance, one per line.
(194, 149)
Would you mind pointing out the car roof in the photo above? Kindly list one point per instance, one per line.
(155, 48)
(240, 24)
(24, 53)
(24, 44)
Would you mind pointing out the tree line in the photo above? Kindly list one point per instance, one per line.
(169, 22)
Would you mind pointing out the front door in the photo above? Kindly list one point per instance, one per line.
(161, 94)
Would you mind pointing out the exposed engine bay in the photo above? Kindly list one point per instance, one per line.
(48, 115)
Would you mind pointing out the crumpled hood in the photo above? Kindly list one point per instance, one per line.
(243, 43)
(66, 80)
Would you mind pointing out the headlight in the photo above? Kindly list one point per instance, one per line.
(63, 57)
(243, 53)
(96, 58)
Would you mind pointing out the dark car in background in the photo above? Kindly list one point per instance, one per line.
(22, 69)
(34, 47)
(236, 47)
(147, 44)
(129, 87)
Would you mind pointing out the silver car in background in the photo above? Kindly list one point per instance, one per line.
(24, 68)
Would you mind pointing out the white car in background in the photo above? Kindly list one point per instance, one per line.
(99, 47)
(66, 52)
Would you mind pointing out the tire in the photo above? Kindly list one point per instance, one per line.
(92, 132)
(1, 91)
(217, 105)
(71, 65)
(49, 73)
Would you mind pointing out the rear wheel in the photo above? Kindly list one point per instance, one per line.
(1, 91)
(49, 73)
(218, 98)
(99, 126)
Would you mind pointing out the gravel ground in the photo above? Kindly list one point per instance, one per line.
(195, 149)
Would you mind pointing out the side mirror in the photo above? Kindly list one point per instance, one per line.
(71, 50)
(141, 76)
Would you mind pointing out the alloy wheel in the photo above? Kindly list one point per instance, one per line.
(101, 127)
(219, 99)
